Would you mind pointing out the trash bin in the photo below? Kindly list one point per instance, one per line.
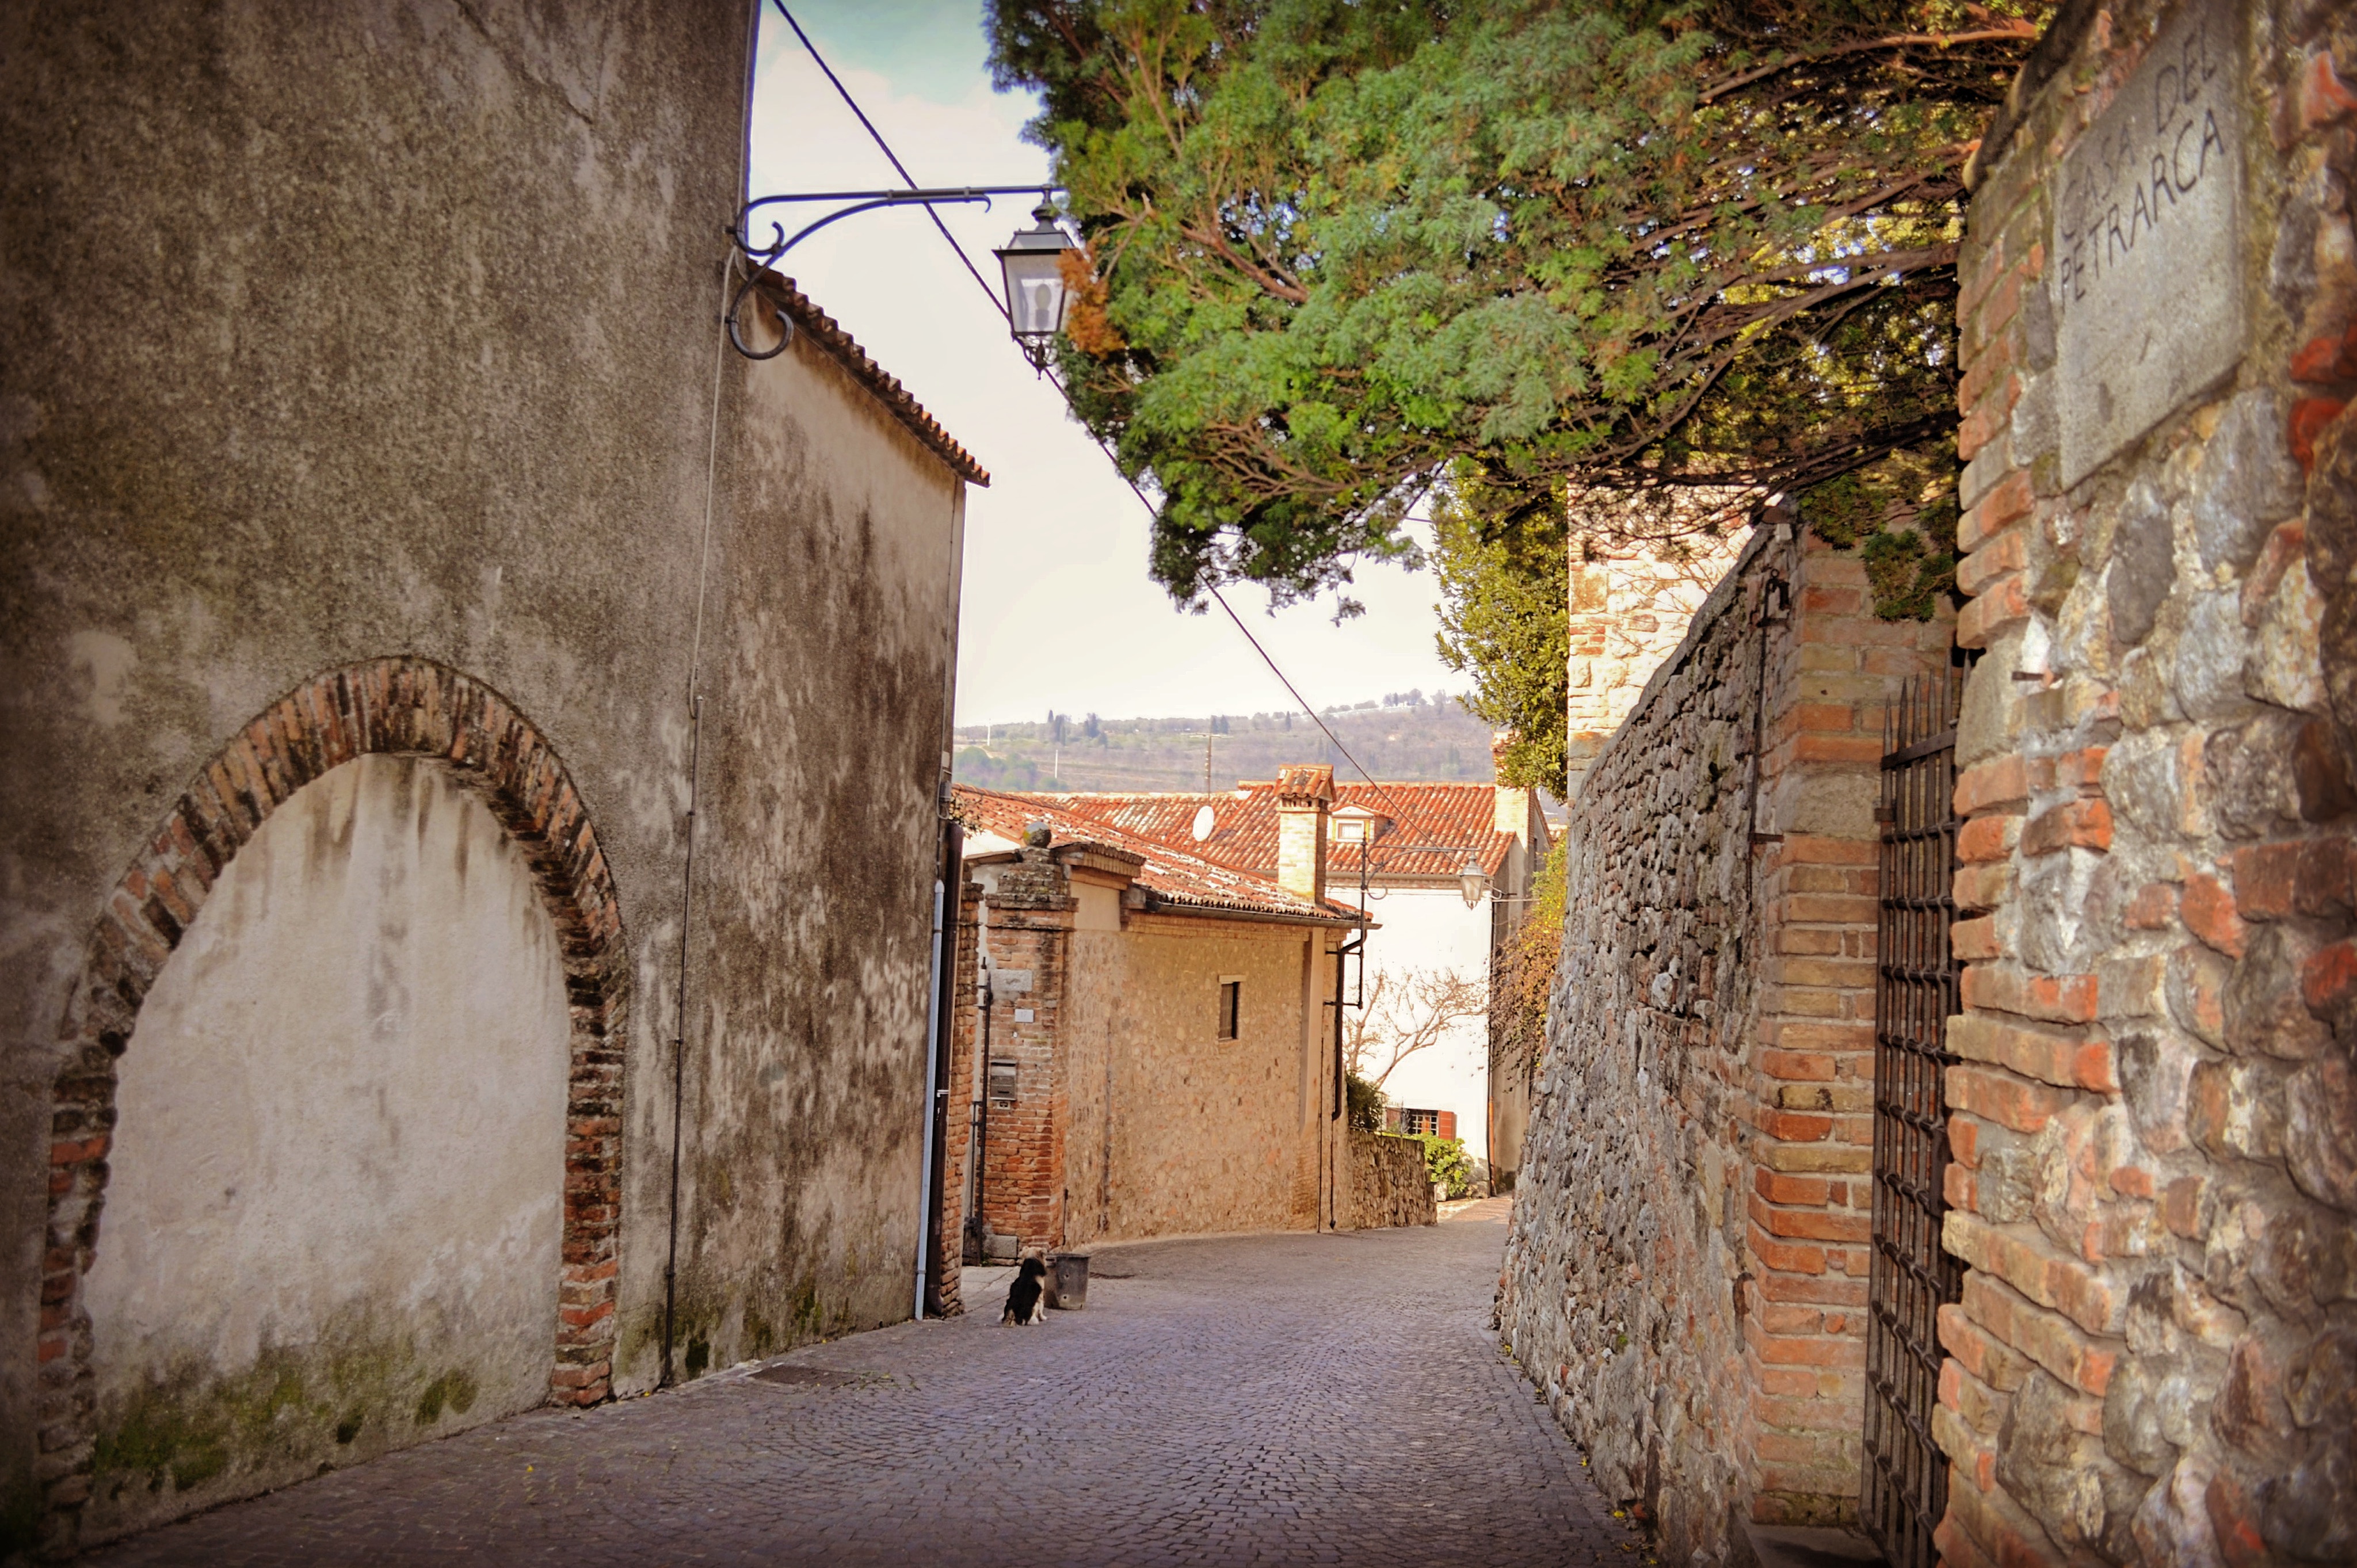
(1068, 1281)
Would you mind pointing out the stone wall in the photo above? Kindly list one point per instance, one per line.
(1391, 1182)
(2153, 1121)
(1629, 609)
(425, 464)
(1687, 1270)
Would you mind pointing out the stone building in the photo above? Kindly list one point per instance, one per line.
(1409, 842)
(1144, 1042)
(2153, 1115)
(1973, 1116)
(402, 580)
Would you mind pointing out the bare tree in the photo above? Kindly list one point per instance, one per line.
(1406, 1013)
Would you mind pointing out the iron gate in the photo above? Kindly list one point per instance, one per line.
(1905, 1489)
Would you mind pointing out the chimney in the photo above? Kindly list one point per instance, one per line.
(1513, 809)
(1305, 798)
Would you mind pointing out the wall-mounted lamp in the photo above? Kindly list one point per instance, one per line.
(1037, 298)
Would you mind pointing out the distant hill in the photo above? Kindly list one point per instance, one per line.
(1407, 735)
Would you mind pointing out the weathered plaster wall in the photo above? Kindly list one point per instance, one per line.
(334, 1203)
(1687, 1270)
(828, 655)
(439, 381)
(2154, 1119)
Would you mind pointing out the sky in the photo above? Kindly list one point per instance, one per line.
(1059, 612)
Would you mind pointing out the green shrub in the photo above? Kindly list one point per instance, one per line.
(1446, 1159)
(1364, 1102)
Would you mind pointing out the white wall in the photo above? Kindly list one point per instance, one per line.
(338, 1174)
(1429, 929)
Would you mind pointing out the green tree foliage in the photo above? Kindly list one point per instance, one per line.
(1505, 619)
(1337, 250)
(1364, 1102)
(1900, 514)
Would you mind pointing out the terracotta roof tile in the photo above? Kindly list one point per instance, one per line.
(1173, 876)
(1243, 830)
(826, 331)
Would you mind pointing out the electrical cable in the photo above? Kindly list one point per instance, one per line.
(1000, 306)
(902, 169)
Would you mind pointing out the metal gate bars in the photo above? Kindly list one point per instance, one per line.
(1905, 1487)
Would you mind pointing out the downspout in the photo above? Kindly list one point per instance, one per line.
(679, 1035)
(974, 1221)
(933, 1065)
(943, 1014)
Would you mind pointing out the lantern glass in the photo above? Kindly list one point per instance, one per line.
(1032, 262)
(1474, 881)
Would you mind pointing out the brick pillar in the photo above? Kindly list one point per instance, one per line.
(1030, 927)
(1831, 670)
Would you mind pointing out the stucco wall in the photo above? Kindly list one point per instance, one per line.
(334, 1205)
(1421, 930)
(391, 332)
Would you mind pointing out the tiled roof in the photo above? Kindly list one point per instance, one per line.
(1170, 875)
(825, 330)
(1244, 826)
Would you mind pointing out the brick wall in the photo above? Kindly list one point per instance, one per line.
(1687, 1270)
(1022, 1162)
(2154, 1122)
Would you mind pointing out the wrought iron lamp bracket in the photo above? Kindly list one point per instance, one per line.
(759, 257)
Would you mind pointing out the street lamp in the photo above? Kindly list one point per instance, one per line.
(1036, 296)
(1473, 882)
(1037, 299)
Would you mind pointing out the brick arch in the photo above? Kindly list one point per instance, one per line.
(400, 706)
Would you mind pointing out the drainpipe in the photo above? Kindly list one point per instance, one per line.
(679, 1035)
(938, 1015)
(932, 1065)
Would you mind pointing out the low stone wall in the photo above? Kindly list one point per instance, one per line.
(1686, 1274)
(1390, 1183)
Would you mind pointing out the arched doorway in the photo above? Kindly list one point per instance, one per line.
(337, 1158)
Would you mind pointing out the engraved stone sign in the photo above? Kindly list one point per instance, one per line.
(2147, 259)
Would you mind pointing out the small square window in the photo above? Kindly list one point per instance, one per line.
(1232, 997)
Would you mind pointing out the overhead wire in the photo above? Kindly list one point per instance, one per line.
(1061, 391)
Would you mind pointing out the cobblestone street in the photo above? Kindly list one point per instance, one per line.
(1265, 1399)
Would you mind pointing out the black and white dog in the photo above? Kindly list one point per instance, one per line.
(1027, 1298)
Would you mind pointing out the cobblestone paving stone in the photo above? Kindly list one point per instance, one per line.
(1263, 1399)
